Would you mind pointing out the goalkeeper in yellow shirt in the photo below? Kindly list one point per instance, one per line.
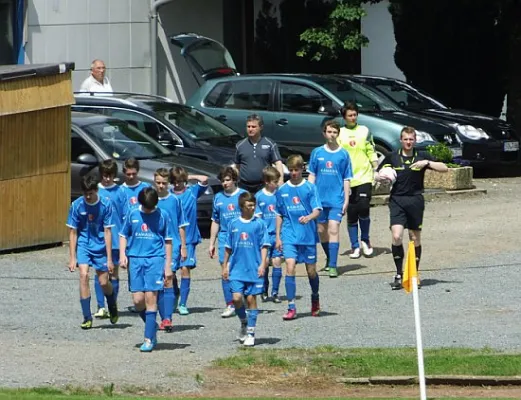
(358, 142)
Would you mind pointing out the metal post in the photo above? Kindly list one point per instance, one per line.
(154, 7)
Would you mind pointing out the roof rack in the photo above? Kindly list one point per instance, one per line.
(108, 94)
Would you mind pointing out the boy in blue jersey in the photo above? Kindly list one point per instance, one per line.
(172, 206)
(90, 245)
(266, 209)
(330, 170)
(298, 206)
(146, 239)
(110, 191)
(188, 196)
(244, 264)
(132, 184)
(225, 209)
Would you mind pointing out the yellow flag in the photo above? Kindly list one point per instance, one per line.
(410, 268)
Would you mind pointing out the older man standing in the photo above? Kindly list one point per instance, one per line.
(253, 154)
(97, 81)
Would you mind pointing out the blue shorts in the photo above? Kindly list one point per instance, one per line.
(273, 252)
(247, 288)
(191, 259)
(301, 253)
(146, 274)
(330, 214)
(98, 261)
(221, 250)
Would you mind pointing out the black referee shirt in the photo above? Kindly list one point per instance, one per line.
(252, 158)
(409, 182)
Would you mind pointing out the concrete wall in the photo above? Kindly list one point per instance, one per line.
(116, 31)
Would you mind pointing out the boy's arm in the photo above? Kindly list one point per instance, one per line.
(202, 179)
(73, 243)
(347, 190)
(264, 256)
(214, 230)
(278, 226)
(182, 235)
(107, 233)
(123, 262)
(369, 150)
(168, 259)
(225, 269)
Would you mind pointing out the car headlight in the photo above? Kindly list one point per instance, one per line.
(423, 137)
(471, 132)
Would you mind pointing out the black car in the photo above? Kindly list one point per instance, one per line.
(486, 140)
(95, 138)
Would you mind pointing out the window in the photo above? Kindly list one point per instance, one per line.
(79, 146)
(241, 95)
(302, 99)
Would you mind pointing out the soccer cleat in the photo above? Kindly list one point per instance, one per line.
(333, 272)
(86, 324)
(249, 341)
(243, 333)
(355, 253)
(315, 308)
(367, 249)
(264, 297)
(114, 315)
(290, 314)
(275, 299)
(133, 309)
(228, 312)
(166, 325)
(101, 313)
(397, 283)
(147, 346)
(183, 310)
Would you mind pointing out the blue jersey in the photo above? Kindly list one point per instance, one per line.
(293, 202)
(132, 193)
(267, 209)
(246, 238)
(173, 208)
(331, 169)
(146, 233)
(225, 209)
(189, 202)
(117, 198)
(90, 221)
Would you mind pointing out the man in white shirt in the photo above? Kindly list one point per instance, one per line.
(97, 81)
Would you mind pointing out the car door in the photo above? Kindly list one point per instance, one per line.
(231, 102)
(84, 161)
(301, 112)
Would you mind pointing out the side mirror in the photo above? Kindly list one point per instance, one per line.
(329, 110)
(87, 159)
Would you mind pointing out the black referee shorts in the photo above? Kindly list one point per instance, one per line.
(407, 211)
(252, 187)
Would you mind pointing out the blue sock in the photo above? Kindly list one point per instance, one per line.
(252, 321)
(168, 303)
(161, 304)
(185, 291)
(85, 308)
(98, 291)
(176, 293)
(364, 228)
(352, 230)
(333, 253)
(325, 246)
(143, 316)
(277, 276)
(150, 324)
(111, 302)
(266, 280)
(115, 288)
(315, 284)
(241, 313)
(291, 289)
(227, 291)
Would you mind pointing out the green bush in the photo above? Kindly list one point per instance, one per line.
(440, 152)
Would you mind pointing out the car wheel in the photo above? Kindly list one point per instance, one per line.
(381, 152)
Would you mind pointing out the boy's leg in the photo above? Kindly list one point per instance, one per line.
(114, 277)
(276, 275)
(85, 296)
(323, 234)
(352, 223)
(138, 299)
(398, 255)
(154, 269)
(315, 285)
(229, 311)
(106, 285)
(364, 205)
(185, 290)
(150, 321)
(165, 304)
(333, 229)
(237, 288)
(266, 284)
(253, 313)
(290, 254)
(100, 299)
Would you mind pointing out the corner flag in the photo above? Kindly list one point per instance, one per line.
(410, 268)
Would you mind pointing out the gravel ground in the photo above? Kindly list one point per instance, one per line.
(469, 298)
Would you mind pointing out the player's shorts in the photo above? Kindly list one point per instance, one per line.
(191, 259)
(145, 274)
(98, 261)
(221, 250)
(330, 214)
(273, 252)
(407, 211)
(247, 288)
(361, 192)
(301, 253)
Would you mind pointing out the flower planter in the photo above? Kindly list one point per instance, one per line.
(454, 179)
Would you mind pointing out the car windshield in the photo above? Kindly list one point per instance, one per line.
(366, 100)
(198, 125)
(121, 140)
(405, 95)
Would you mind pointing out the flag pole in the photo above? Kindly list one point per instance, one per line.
(419, 344)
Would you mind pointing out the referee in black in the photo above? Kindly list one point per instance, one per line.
(406, 203)
(253, 154)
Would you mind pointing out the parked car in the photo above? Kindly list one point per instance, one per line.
(485, 140)
(184, 129)
(95, 138)
(294, 106)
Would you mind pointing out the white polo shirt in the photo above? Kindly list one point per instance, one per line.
(92, 85)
